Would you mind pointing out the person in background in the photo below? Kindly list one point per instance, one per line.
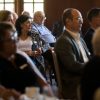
(23, 27)
(27, 14)
(90, 81)
(15, 16)
(6, 16)
(15, 72)
(25, 42)
(72, 53)
(58, 28)
(93, 17)
(5, 93)
(39, 28)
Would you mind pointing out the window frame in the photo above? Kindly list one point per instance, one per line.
(34, 2)
(19, 5)
(4, 2)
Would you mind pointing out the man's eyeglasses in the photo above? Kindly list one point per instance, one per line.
(10, 40)
(13, 38)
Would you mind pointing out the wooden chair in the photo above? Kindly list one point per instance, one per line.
(57, 72)
(50, 57)
(49, 64)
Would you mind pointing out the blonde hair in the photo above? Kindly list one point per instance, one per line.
(4, 15)
(96, 41)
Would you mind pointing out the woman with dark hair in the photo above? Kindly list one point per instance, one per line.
(25, 42)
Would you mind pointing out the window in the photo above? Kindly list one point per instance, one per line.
(7, 5)
(28, 5)
(33, 5)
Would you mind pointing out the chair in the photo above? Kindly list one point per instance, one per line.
(50, 65)
(50, 57)
(57, 72)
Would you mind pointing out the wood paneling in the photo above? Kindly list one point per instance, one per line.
(54, 9)
(18, 6)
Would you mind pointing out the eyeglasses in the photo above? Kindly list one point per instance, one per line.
(10, 40)
(13, 38)
(78, 18)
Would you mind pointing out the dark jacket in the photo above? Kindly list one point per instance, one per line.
(91, 78)
(88, 39)
(71, 63)
(18, 75)
(57, 28)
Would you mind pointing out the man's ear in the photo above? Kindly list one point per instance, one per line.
(68, 21)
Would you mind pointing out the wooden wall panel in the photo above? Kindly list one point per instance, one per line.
(54, 9)
(18, 6)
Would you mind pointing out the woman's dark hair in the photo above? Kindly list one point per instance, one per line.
(20, 21)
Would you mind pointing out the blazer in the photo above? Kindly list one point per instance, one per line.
(17, 76)
(88, 38)
(71, 63)
(90, 79)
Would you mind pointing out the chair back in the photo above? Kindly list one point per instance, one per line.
(57, 71)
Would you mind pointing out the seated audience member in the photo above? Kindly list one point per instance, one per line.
(93, 17)
(26, 13)
(6, 15)
(43, 32)
(25, 41)
(15, 16)
(58, 28)
(15, 71)
(71, 52)
(91, 77)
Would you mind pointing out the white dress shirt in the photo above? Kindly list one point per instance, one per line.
(76, 36)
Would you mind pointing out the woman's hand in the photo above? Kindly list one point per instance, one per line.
(34, 53)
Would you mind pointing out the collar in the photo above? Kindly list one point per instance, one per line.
(92, 28)
(76, 36)
(37, 24)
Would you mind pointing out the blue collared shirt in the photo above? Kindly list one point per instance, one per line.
(44, 33)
